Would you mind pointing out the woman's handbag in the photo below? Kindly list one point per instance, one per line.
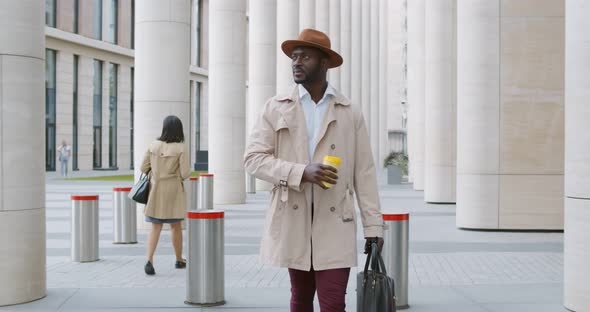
(141, 190)
(374, 289)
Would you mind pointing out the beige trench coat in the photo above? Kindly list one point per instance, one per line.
(277, 152)
(169, 163)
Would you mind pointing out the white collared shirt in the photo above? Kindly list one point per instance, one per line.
(314, 114)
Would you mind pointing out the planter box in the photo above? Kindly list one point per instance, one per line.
(394, 175)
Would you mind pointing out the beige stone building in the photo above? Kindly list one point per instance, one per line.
(90, 77)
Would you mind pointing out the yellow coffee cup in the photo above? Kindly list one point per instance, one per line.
(331, 161)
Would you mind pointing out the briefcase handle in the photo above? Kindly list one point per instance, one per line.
(374, 258)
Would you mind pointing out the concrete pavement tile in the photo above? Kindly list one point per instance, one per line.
(542, 307)
(445, 308)
(442, 295)
(104, 298)
(55, 298)
(514, 294)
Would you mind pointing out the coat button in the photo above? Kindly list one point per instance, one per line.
(350, 192)
(295, 207)
(332, 209)
(333, 146)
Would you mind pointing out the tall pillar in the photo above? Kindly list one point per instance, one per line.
(577, 156)
(22, 154)
(510, 114)
(374, 73)
(334, 33)
(287, 28)
(322, 15)
(262, 55)
(395, 11)
(440, 105)
(345, 46)
(366, 63)
(356, 53)
(227, 76)
(416, 80)
(383, 87)
(306, 14)
(162, 57)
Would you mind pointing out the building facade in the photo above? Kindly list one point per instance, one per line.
(90, 78)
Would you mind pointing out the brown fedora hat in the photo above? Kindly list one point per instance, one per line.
(314, 39)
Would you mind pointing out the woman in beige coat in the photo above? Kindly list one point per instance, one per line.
(167, 162)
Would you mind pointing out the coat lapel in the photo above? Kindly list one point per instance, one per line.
(330, 117)
(293, 115)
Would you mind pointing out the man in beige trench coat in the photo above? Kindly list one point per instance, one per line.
(311, 229)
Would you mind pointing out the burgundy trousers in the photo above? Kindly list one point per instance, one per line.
(330, 284)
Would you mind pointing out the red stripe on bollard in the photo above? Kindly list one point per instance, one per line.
(205, 215)
(121, 189)
(84, 197)
(193, 179)
(396, 217)
(206, 175)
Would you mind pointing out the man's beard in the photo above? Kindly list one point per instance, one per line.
(310, 77)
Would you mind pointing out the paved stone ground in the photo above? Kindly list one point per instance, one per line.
(450, 269)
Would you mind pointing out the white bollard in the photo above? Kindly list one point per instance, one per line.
(84, 228)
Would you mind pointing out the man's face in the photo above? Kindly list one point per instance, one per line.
(307, 64)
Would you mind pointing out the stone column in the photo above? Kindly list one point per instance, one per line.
(22, 154)
(374, 88)
(510, 114)
(383, 87)
(287, 28)
(345, 46)
(262, 55)
(334, 33)
(577, 156)
(322, 15)
(124, 118)
(162, 57)
(356, 58)
(227, 76)
(440, 105)
(307, 14)
(365, 78)
(416, 21)
(85, 112)
(395, 63)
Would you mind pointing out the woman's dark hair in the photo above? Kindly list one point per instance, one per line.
(172, 130)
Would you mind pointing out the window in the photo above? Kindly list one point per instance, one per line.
(113, 115)
(75, 117)
(197, 119)
(50, 12)
(112, 36)
(50, 152)
(132, 120)
(132, 25)
(97, 115)
(97, 23)
(197, 39)
(76, 13)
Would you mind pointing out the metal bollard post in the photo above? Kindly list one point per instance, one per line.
(84, 228)
(124, 217)
(193, 193)
(205, 200)
(395, 254)
(250, 184)
(205, 284)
